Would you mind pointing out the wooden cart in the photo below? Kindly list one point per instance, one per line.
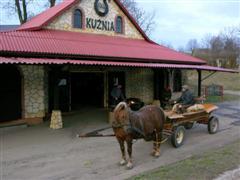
(177, 123)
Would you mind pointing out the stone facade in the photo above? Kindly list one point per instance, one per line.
(64, 21)
(34, 91)
(139, 84)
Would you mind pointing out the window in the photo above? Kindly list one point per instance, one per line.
(119, 25)
(77, 19)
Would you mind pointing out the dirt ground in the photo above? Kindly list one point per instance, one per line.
(40, 153)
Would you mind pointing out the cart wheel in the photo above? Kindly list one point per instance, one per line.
(213, 125)
(189, 125)
(178, 136)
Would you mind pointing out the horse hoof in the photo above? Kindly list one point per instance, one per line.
(122, 162)
(153, 153)
(129, 165)
(157, 154)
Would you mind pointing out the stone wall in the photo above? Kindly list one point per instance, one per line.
(140, 84)
(34, 91)
(64, 21)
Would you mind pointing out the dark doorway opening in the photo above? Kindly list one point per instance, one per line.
(161, 81)
(115, 78)
(10, 93)
(87, 89)
(177, 80)
(58, 88)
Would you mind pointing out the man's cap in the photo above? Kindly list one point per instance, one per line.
(185, 86)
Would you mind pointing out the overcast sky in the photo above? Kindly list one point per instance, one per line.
(177, 21)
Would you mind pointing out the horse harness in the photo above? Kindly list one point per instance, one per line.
(130, 128)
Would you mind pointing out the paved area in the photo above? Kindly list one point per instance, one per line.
(230, 175)
(237, 93)
(40, 153)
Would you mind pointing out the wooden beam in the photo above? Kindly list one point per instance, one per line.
(199, 82)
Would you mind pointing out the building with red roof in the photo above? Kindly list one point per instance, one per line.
(73, 54)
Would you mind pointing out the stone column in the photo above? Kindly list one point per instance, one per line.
(33, 87)
(56, 120)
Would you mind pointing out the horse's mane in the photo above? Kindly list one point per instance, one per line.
(121, 112)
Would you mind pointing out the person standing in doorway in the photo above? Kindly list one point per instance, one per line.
(165, 97)
(117, 94)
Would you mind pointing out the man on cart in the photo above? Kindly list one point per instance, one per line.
(184, 101)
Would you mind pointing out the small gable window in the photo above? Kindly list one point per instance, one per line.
(119, 25)
(77, 19)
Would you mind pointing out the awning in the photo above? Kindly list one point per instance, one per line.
(34, 61)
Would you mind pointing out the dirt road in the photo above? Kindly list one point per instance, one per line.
(40, 153)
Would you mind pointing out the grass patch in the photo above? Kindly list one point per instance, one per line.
(202, 167)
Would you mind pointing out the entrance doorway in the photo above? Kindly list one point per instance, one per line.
(10, 93)
(161, 81)
(115, 78)
(87, 89)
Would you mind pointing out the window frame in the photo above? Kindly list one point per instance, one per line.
(122, 25)
(82, 25)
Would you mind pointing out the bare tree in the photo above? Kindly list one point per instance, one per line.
(145, 20)
(181, 49)
(21, 10)
(222, 49)
(192, 45)
(21, 7)
(52, 3)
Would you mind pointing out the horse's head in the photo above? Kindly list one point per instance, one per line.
(121, 113)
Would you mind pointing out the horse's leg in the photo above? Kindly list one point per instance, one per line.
(157, 143)
(129, 149)
(122, 147)
(154, 144)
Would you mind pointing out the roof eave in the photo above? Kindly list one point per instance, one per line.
(92, 57)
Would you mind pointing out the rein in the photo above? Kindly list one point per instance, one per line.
(119, 125)
(129, 127)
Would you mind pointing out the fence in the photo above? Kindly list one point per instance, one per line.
(213, 90)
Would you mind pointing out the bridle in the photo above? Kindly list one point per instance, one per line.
(128, 127)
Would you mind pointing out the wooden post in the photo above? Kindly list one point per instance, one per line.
(56, 90)
(199, 82)
(56, 116)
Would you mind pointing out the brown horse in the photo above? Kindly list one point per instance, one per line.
(147, 123)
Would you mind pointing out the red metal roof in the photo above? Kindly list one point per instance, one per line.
(41, 20)
(5, 60)
(63, 43)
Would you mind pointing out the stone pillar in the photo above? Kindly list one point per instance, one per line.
(140, 84)
(33, 93)
(56, 120)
